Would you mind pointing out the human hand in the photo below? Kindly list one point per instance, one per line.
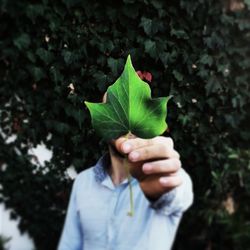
(153, 162)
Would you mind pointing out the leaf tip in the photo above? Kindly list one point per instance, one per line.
(87, 104)
(129, 61)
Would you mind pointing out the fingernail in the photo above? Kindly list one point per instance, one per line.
(126, 147)
(147, 167)
(163, 180)
(134, 156)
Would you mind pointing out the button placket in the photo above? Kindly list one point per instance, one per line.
(111, 220)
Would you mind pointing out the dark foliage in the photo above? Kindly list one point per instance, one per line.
(197, 51)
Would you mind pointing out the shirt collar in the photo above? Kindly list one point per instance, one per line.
(100, 169)
(101, 174)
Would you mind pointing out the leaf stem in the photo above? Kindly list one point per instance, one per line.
(131, 212)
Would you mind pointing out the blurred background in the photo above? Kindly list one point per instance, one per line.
(54, 55)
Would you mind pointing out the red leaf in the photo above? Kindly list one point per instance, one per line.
(139, 73)
(145, 75)
(148, 76)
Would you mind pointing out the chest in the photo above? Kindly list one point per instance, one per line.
(105, 222)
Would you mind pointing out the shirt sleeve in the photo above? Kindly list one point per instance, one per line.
(178, 200)
(72, 236)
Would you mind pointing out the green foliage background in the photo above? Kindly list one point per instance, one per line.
(197, 51)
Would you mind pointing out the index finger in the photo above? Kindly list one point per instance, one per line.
(126, 146)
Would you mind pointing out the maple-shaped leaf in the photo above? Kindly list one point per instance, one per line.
(129, 108)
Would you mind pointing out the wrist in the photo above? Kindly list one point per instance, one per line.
(152, 196)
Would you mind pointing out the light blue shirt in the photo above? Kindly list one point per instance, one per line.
(97, 214)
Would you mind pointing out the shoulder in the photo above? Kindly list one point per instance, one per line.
(90, 177)
(85, 174)
(84, 179)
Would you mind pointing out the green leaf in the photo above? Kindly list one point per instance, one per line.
(150, 26)
(115, 65)
(212, 86)
(181, 34)
(22, 41)
(68, 57)
(178, 75)
(45, 55)
(150, 48)
(129, 108)
(206, 59)
(157, 4)
(37, 73)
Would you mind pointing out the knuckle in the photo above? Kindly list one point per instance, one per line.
(133, 141)
(177, 155)
(165, 140)
(158, 140)
(177, 164)
(171, 182)
(136, 143)
(164, 149)
(176, 181)
(149, 142)
(173, 165)
(145, 153)
(118, 143)
(170, 142)
(161, 168)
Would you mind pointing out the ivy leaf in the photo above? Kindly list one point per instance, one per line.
(129, 108)
(22, 41)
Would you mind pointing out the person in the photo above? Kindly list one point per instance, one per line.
(97, 216)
